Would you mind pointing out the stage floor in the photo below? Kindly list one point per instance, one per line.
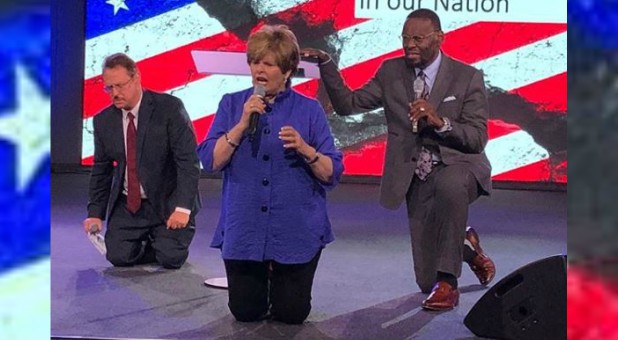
(364, 286)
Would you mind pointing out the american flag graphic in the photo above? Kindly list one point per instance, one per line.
(24, 173)
(525, 66)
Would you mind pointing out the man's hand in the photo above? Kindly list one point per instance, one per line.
(177, 220)
(420, 108)
(93, 225)
(314, 55)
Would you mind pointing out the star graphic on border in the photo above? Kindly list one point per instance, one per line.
(118, 4)
(27, 127)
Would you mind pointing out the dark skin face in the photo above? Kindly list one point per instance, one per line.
(422, 52)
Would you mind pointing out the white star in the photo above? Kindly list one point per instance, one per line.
(27, 127)
(118, 4)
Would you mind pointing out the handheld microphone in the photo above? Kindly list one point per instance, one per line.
(259, 90)
(418, 86)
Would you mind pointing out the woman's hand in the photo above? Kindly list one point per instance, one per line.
(255, 103)
(292, 140)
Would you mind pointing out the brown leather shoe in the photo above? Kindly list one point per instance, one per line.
(482, 266)
(443, 297)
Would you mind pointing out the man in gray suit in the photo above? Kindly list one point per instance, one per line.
(436, 112)
(145, 174)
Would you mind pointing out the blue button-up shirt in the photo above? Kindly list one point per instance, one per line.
(273, 208)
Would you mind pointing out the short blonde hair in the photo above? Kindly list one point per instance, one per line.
(278, 40)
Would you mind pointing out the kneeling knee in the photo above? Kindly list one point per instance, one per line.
(171, 261)
(247, 315)
(118, 260)
(293, 316)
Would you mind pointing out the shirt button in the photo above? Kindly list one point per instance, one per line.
(265, 182)
(266, 158)
(267, 131)
(264, 208)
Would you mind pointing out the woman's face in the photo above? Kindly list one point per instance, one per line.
(267, 73)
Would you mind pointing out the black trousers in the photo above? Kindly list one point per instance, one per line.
(143, 238)
(255, 287)
(438, 216)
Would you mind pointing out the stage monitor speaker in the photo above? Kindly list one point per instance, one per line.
(529, 303)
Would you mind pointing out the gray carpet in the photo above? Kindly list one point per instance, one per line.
(364, 286)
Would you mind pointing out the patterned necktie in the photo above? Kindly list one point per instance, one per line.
(422, 76)
(134, 199)
(424, 164)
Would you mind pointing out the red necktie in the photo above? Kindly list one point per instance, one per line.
(134, 199)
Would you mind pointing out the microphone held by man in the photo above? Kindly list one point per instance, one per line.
(419, 87)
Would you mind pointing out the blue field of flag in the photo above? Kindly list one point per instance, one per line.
(106, 16)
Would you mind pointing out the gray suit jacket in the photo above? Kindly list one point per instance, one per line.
(168, 167)
(391, 88)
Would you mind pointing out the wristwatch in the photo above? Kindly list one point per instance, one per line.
(446, 127)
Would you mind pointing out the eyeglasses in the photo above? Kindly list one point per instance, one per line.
(119, 87)
(418, 39)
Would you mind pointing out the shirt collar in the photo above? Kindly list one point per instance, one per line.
(431, 71)
(283, 94)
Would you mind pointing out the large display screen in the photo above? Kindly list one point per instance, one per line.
(521, 46)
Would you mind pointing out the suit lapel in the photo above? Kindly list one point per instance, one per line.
(441, 83)
(117, 132)
(145, 113)
(407, 73)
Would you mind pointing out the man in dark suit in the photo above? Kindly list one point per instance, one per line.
(437, 131)
(145, 174)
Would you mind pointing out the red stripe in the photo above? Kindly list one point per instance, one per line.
(202, 126)
(365, 158)
(309, 89)
(88, 160)
(498, 128)
(175, 67)
(534, 172)
(548, 94)
(483, 40)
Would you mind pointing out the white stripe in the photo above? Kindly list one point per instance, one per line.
(373, 38)
(513, 151)
(167, 31)
(25, 301)
(527, 64)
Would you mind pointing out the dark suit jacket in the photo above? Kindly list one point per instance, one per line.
(391, 88)
(168, 167)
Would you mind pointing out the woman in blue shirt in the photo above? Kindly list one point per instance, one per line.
(273, 223)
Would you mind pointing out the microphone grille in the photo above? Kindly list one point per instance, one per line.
(260, 90)
(418, 85)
